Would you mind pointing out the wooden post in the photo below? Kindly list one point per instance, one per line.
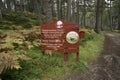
(77, 56)
(43, 52)
(65, 57)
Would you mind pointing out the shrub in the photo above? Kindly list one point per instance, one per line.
(26, 20)
(27, 25)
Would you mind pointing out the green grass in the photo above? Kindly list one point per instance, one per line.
(46, 67)
(91, 48)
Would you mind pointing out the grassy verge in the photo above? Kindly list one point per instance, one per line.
(44, 67)
(53, 67)
(91, 48)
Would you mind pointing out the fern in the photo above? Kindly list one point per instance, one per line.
(8, 61)
(8, 57)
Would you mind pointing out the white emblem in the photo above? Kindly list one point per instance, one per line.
(59, 24)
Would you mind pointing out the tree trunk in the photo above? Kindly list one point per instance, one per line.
(102, 23)
(31, 6)
(53, 9)
(0, 11)
(119, 19)
(21, 6)
(4, 5)
(74, 11)
(77, 13)
(1, 4)
(102, 5)
(48, 11)
(110, 17)
(14, 3)
(38, 10)
(8, 5)
(64, 11)
(118, 24)
(69, 14)
(43, 6)
(84, 15)
(0, 15)
(81, 20)
(98, 16)
(59, 9)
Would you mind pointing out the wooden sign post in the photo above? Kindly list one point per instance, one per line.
(61, 37)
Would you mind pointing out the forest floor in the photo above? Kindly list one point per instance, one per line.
(107, 66)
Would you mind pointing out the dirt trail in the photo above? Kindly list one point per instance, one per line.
(107, 67)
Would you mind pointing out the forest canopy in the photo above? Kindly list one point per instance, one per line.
(96, 14)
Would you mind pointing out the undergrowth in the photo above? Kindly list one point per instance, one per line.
(15, 20)
(41, 67)
(46, 67)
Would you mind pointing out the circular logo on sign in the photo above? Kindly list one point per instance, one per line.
(59, 24)
(72, 37)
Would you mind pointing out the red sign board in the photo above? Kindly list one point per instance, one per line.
(60, 37)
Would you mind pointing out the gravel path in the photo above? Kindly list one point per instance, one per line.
(107, 67)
